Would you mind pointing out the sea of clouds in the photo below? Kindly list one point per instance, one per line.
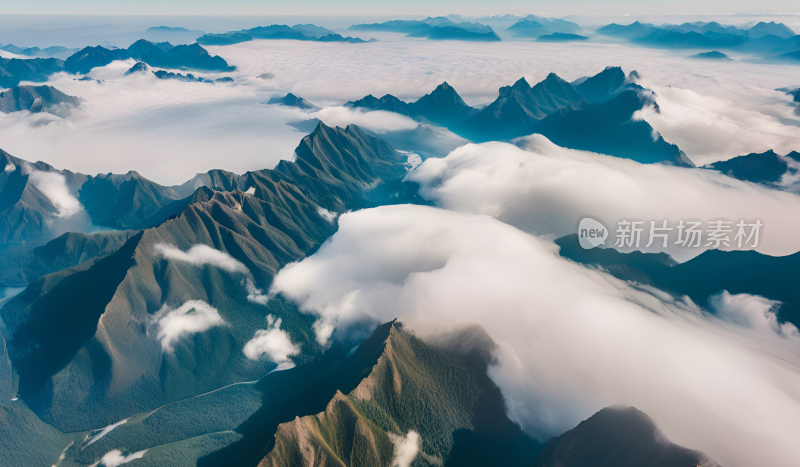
(571, 339)
(170, 130)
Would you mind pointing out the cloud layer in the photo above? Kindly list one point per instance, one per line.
(272, 343)
(405, 448)
(200, 255)
(193, 317)
(571, 339)
(53, 185)
(545, 189)
(169, 130)
(115, 458)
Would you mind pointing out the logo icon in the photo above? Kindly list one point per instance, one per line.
(591, 233)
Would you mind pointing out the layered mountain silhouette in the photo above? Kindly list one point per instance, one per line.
(14, 70)
(769, 40)
(533, 26)
(37, 99)
(300, 32)
(20, 265)
(767, 168)
(47, 52)
(438, 28)
(281, 215)
(561, 37)
(595, 115)
(160, 54)
(87, 58)
(618, 437)
(713, 55)
(138, 68)
(290, 100)
(707, 274)
(392, 384)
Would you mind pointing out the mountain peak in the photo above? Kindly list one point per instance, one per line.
(521, 85)
(636, 438)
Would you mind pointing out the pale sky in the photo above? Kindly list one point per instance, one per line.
(394, 7)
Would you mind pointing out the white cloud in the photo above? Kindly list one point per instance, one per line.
(406, 448)
(254, 294)
(193, 317)
(273, 343)
(53, 186)
(327, 215)
(413, 161)
(200, 255)
(377, 121)
(10, 167)
(717, 128)
(115, 458)
(753, 312)
(571, 339)
(251, 190)
(170, 130)
(545, 189)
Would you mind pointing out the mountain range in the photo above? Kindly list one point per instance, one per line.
(438, 28)
(84, 369)
(300, 32)
(37, 99)
(561, 37)
(290, 100)
(767, 168)
(14, 70)
(533, 26)
(54, 51)
(162, 54)
(594, 114)
(709, 273)
(636, 441)
(769, 40)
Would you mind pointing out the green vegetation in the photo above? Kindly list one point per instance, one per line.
(414, 386)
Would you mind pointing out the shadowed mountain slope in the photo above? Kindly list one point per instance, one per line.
(618, 437)
(14, 70)
(37, 99)
(708, 273)
(596, 114)
(609, 128)
(767, 168)
(116, 366)
(394, 383)
(19, 266)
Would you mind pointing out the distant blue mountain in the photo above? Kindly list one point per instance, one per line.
(595, 115)
(608, 128)
(675, 39)
(772, 28)
(767, 168)
(164, 54)
(709, 273)
(438, 28)
(290, 100)
(455, 33)
(713, 55)
(91, 57)
(14, 70)
(631, 31)
(768, 40)
(561, 37)
(300, 32)
(536, 26)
